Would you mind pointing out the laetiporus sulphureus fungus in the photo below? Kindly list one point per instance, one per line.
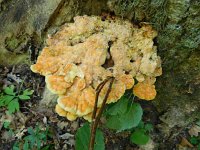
(83, 54)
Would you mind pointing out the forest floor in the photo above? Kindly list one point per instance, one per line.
(56, 132)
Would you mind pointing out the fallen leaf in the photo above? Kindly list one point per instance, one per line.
(74, 125)
(21, 132)
(66, 136)
(194, 130)
(7, 135)
(62, 124)
(185, 143)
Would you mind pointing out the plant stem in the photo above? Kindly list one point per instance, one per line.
(96, 119)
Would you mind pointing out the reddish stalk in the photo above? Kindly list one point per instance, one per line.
(96, 119)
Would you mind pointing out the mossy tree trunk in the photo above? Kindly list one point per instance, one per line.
(24, 25)
(178, 41)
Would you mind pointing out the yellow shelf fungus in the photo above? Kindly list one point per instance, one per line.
(83, 54)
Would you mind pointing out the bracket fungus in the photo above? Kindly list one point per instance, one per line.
(83, 54)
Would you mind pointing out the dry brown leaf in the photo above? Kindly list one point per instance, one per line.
(194, 130)
(62, 124)
(185, 143)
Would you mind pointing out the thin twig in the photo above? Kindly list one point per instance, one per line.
(96, 119)
(98, 90)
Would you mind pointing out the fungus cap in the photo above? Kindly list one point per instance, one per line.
(144, 91)
(82, 54)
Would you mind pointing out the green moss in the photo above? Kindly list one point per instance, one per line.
(12, 43)
(177, 23)
(8, 58)
(177, 10)
(181, 85)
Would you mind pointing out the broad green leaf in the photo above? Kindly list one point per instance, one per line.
(2, 103)
(194, 140)
(25, 146)
(119, 108)
(16, 146)
(83, 136)
(13, 106)
(7, 99)
(42, 136)
(139, 137)
(38, 142)
(31, 139)
(24, 97)
(28, 92)
(30, 130)
(130, 118)
(9, 90)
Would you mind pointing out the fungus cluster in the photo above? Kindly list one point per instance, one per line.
(83, 54)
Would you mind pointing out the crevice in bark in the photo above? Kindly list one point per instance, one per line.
(52, 17)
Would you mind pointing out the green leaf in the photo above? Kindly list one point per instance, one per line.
(24, 97)
(9, 90)
(42, 136)
(128, 118)
(13, 106)
(2, 103)
(30, 130)
(119, 108)
(38, 142)
(198, 123)
(193, 140)
(6, 124)
(16, 146)
(31, 139)
(148, 127)
(28, 92)
(26, 146)
(2, 100)
(83, 136)
(7, 99)
(141, 124)
(139, 137)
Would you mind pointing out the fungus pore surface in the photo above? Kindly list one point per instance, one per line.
(82, 54)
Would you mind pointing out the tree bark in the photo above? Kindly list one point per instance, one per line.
(178, 41)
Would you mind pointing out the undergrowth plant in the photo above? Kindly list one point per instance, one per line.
(35, 139)
(10, 98)
(140, 134)
(83, 137)
(123, 115)
(195, 140)
(6, 125)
